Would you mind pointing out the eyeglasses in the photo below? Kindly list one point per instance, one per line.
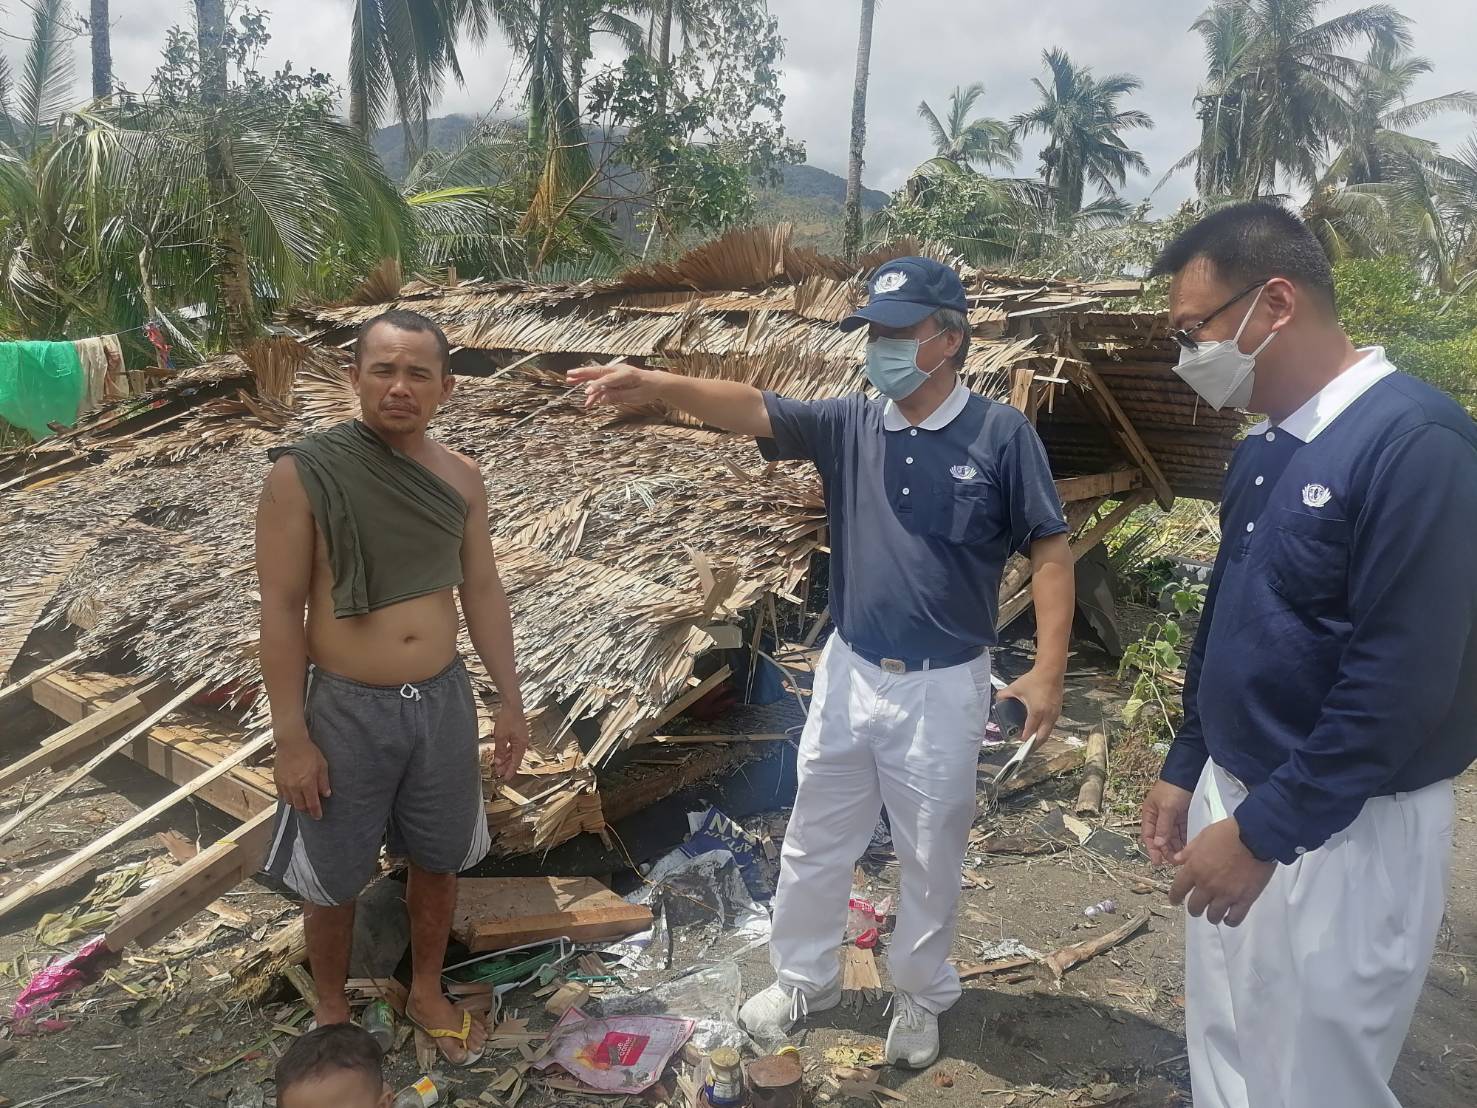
(1185, 336)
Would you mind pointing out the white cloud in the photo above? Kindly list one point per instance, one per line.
(921, 50)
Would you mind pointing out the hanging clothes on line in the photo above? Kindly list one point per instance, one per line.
(102, 367)
(41, 384)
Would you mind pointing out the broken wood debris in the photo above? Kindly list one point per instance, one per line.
(1062, 960)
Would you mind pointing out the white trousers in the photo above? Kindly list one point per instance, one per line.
(910, 741)
(1308, 1001)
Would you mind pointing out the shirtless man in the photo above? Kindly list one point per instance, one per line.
(370, 526)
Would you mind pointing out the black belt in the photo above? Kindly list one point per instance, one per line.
(913, 665)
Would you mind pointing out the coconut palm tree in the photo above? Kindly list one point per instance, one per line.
(1373, 130)
(851, 239)
(1080, 116)
(117, 212)
(970, 143)
(102, 50)
(1279, 87)
(400, 54)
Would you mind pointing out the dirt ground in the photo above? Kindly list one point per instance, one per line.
(163, 1028)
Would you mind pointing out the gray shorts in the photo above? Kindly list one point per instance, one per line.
(403, 767)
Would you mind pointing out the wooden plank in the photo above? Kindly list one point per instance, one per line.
(241, 794)
(1051, 758)
(496, 913)
(1098, 484)
(858, 970)
(1018, 603)
(59, 873)
(73, 739)
(39, 674)
(1099, 530)
(178, 895)
(695, 740)
(1101, 397)
(1020, 391)
(100, 757)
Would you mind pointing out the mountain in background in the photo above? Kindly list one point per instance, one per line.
(809, 197)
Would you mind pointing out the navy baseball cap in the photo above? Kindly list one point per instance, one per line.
(906, 291)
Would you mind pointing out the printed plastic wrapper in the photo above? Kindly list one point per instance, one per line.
(712, 830)
(60, 977)
(615, 1054)
(709, 997)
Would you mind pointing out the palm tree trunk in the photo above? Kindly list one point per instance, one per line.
(102, 51)
(664, 41)
(234, 266)
(852, 238)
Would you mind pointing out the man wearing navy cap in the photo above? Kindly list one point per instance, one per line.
(928, 490)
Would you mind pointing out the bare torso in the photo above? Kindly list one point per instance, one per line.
(406, 642)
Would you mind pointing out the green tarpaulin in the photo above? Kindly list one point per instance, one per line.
(40, 383)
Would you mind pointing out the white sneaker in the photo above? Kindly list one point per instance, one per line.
(913, 1038)
(770, 1013)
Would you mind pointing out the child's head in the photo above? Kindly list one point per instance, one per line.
(332, 1067)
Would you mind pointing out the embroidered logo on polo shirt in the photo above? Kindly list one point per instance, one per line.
(890, 282)
(1316, 496)
(964, 473)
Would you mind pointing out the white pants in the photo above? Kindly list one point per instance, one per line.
(1309, 1000)
(910, 741)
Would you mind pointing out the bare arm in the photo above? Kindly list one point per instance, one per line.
(1054, 593)
(284, 567)
(728, 405)
(490, 624)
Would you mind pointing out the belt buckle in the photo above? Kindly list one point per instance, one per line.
(894, 665)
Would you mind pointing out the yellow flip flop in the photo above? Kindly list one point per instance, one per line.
(447, 1033)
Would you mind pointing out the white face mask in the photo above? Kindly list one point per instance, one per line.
(1219, 371)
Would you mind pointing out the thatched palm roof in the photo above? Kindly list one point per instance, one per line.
(621, 539)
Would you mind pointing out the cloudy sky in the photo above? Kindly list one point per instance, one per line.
(921, 50)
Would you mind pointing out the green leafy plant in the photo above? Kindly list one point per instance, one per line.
(1153, 705)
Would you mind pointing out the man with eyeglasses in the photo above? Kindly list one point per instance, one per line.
(928, 490)
(1331, 694)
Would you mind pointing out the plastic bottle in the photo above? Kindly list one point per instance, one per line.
(422, 1094)
(725, 1087)
(379, 1021)
(1102, 908)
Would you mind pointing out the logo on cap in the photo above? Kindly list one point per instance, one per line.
(890, 282)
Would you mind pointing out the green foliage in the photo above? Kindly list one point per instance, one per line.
(1425, 332)
(1153, 705)
(705, 126)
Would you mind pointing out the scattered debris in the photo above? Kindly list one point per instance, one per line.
(1094, 775)
(624, 1054)
(1063, 960)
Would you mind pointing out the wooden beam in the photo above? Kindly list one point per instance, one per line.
(240, 794)
(69, 867)
(178, 895)
(101, 756)
(1098, 484)
(683, 702)
(1018, 603)
(1099, 530)
(691, 740)
(1021, 379)
(73, 739)
(36, 675)
(1100, 397)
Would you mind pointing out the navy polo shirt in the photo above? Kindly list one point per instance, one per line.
(1336, 659)
(922, 518)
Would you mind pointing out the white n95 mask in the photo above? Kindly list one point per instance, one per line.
(1219, 371)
